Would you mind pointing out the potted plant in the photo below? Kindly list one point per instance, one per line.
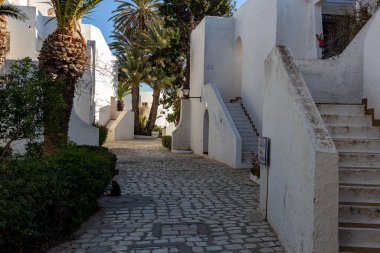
(123, 90)
(255, 171)
(157, 132)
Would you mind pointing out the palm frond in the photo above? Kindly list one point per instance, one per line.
(12, 12)
(69, 12)
(134, 15)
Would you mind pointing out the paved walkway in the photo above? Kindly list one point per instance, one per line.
(175, 203)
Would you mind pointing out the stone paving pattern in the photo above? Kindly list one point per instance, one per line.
(196, 205)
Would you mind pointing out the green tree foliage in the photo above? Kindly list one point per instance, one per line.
(24, 93)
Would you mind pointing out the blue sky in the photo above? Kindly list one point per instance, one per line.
(101, 15)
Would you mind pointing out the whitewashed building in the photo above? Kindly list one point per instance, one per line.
(100, 80)
(260, 73)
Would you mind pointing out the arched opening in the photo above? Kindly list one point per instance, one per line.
(238, 65)
(205, 133)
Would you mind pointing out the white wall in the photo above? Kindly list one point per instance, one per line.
(26, 37)
(122, 128)
(23, 36)
(105, 68)
(296, 27)
(255, 24)
(219, 55)
(371, 76)
(181, 136)
(302, 196)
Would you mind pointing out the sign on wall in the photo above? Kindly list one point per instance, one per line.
(264, 151)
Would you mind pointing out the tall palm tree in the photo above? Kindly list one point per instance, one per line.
(160, 81)
(155, 42)
(135, 70)
(11, 11)
(135, 15)
(63, 56)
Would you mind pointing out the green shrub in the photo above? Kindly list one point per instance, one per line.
(167, 141)
(159, 130)
(103, 133)
(42, 201)
(34, 150)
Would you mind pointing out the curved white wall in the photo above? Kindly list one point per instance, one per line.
(255, 24)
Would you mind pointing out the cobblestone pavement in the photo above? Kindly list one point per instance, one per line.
(175, 203)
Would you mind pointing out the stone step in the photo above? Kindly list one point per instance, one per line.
(359, 193)
(359, 214)
(347, 120)
(359, 175)
(357, 145)
(341, 109)
(359, 237)
(354, 132)
(351, 159)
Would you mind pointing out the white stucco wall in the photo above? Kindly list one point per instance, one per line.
(105, 68)
(297, 26)
(219, 55)
(23, 35)
(123, 127)
(255, 24)
(181, 136)
(302, 196)
(371, 76)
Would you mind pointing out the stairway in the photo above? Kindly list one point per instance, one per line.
(246, 130)
(358, 145)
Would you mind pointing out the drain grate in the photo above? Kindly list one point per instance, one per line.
(128, 202)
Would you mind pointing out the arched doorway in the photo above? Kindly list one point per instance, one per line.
(205, 132)
(238, 64)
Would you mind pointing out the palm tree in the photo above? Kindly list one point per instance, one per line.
(11, 11)
(135, 15)
(63, 56)
(135, 70)
(161, 80)
(156, 42)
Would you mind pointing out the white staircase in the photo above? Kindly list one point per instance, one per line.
(358, 145)
(246, 130)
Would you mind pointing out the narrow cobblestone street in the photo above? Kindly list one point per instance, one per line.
(175, 203)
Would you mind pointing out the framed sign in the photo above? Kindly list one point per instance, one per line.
(264, 151)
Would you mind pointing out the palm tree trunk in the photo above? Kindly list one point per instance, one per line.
(56, 128)
(63, 56)
(3, 39)
(153, 111)
(135, 106)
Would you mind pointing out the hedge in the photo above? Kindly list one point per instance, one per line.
(42, 201)
(167, 142)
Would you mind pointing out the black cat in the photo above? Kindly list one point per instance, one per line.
(116, 190)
